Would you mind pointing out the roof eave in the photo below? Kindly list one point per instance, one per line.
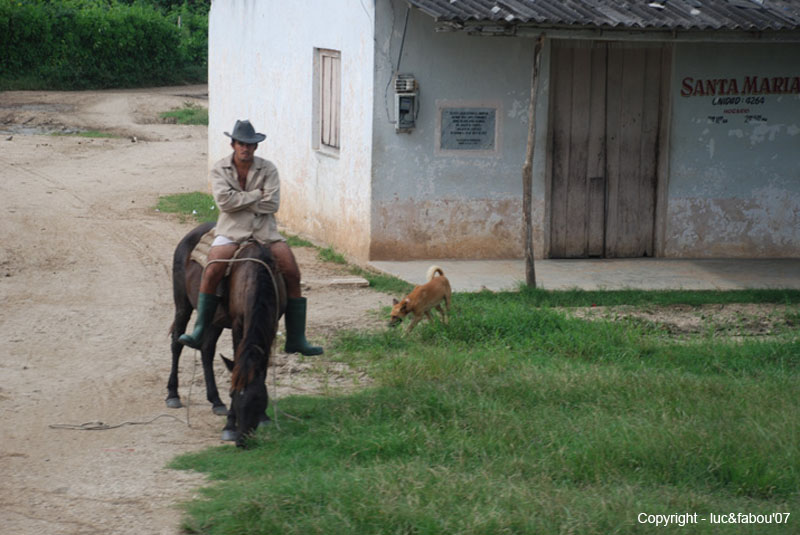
(608, 33)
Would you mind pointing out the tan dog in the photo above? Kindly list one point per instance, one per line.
(422, 299)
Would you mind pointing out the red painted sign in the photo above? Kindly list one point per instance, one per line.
(749, 85)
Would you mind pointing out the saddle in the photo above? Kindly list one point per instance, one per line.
(200, 255)
(200, 251)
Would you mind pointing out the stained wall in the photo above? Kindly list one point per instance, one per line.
(432, 202)
(734, 177)
(732, 184)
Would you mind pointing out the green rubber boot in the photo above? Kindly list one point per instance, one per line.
(296, 328)
(206, 307)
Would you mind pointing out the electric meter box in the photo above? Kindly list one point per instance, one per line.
(405, 102)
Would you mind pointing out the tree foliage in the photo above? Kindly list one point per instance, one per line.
(78, 44)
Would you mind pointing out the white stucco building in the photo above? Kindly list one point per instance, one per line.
(666, 128)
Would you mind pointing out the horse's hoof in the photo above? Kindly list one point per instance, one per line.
(174, 403)
(229, 436)
(264, 421)
(220, 410)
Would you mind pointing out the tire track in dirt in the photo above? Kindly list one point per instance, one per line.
(87, 302)
(85, 276)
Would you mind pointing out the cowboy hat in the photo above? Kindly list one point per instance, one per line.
(244, 132)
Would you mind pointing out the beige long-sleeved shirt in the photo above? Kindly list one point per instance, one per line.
(247, 213)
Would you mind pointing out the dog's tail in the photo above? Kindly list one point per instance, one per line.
(433, 270)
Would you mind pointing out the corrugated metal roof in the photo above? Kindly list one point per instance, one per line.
(739, 15)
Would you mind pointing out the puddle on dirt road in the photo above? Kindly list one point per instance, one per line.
(38, 130)
(40, 106)
(23, 125)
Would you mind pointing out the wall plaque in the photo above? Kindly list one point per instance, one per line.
(468, 129)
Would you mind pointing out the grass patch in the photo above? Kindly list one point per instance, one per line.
(191, 113)
(382, 282)
(89, 134)
(297, 241)
(196, 205)
(377, 280)
(517, 418)
(328, 254)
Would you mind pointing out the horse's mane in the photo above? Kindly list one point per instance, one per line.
(260, 324)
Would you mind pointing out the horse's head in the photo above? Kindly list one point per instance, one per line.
(253, 304)
(248, 392)
(249, 406)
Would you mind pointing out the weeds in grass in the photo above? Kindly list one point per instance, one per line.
(191, 113)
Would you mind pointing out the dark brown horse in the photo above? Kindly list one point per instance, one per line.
(252, 302)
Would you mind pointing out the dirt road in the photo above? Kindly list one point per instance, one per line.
(86, 292)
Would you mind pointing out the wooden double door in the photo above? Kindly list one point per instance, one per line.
(606, 102)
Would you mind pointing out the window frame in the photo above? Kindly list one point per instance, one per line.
(327, 101)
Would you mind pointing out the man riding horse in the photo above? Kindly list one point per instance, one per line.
(247, 191)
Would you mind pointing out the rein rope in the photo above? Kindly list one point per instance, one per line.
(101, 426)
(257, 261)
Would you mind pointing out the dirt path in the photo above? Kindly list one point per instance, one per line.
(85, 283)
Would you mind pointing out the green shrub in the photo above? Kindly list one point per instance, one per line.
(25, 36)
(79, 44)
(193, 30)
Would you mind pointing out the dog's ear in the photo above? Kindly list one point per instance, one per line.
(404, 306)
(394, 302)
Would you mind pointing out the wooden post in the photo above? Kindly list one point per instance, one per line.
(527, 169)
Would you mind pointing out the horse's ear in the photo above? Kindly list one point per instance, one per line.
(228, 362)
(395, 301)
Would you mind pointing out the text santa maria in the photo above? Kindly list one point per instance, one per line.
(748, 85)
